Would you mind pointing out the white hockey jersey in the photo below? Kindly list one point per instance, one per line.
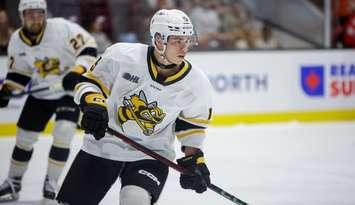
(145, 107)
(45, 61)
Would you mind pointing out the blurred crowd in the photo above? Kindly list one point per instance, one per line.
(5, 32)
(343, 24)
(220, 24)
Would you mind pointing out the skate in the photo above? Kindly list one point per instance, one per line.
(9, 190)
(50, 189)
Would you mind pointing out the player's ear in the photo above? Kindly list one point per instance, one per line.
(159, 42)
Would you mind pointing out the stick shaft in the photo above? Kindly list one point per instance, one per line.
(17, 95)
(56, 86)
(172, 165)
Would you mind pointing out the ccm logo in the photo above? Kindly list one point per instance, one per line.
(150, 175)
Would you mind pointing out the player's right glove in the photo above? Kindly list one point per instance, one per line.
(200, 177)
(95, 116)
(5, 95)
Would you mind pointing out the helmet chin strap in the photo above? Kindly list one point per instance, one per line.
(163, 56)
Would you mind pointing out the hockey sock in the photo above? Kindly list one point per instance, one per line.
(19, 162)
(57, 158)
(134, 195)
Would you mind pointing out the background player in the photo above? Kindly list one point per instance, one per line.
(152, 95)
(44, 52)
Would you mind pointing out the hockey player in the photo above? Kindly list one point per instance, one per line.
(153, 95)
(44, 52)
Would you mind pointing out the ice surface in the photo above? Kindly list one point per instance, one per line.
(273, 164)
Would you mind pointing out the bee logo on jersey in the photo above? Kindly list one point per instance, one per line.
(47, 66)
(146, 115)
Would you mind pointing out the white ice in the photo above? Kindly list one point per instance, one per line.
(278, 164)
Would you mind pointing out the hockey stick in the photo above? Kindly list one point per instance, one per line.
(172, 165)
(57, 86)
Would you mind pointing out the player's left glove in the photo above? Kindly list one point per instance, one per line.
(73, 77)
(200, 177)
(5, 95)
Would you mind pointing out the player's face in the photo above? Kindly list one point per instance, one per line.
(177, 48)
(34, 20)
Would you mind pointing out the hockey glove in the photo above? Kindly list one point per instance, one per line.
(95, 116)
(5, 95)
(199, 178)
(73, 77)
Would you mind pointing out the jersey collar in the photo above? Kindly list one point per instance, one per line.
(184, 70)
(27, 40)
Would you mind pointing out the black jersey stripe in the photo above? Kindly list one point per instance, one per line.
(28, 40)
(89, 77)
(153, 73)
(185, 68)
(89, 51)
(18, 78)
(181, 125)
(97, 84)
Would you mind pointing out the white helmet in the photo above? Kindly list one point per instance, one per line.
(31, 4)
(171, 22)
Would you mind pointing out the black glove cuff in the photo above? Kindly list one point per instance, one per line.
(190, 162)
(83, 103)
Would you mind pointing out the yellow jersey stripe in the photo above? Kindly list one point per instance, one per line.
(39, 37)
(77, 87)
(178, 74)
(196, 120)
(190, 132)
(14, 84)
(28, 41)
(78, 69)
(24, 38)
(153, 69)
(102, 86)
